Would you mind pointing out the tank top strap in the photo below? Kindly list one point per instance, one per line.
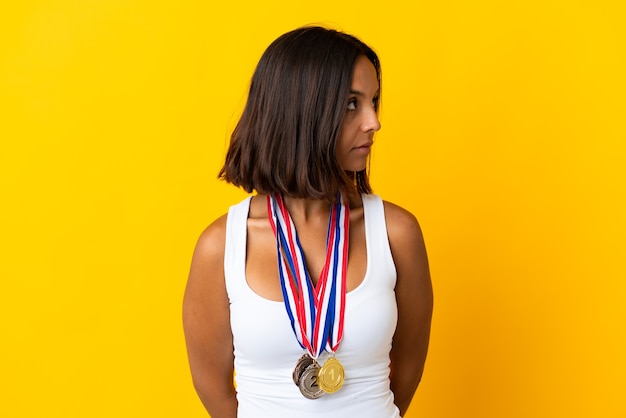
(379, 256)
(235, 247)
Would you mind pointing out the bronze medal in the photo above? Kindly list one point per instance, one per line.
(308, 383)
(304, 362)
(331, 375)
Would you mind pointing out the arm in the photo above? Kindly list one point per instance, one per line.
(206, 320)
(414, 297)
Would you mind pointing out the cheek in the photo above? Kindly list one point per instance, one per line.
(342, 155)
(346, 133)
(344, 141)
(343, 146)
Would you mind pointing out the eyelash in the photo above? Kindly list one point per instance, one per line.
(353, 101)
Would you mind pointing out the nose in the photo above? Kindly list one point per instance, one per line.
(370, 121)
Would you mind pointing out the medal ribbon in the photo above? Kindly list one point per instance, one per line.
(316, 313)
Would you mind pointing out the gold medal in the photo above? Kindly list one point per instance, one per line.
(330, 376)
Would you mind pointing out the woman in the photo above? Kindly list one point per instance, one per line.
(314, 292)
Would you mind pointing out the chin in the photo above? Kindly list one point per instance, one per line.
(353, 169)
(354, 166)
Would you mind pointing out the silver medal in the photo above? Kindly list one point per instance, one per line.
(308, 382)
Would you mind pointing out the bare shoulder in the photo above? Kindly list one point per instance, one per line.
(205, 305)
(402, 225)
(407, 248)
(207, 264)
(211, 241)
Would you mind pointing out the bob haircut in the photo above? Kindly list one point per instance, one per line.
(285, 139)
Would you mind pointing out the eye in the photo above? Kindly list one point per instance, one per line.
(352, 103)
(375, 102)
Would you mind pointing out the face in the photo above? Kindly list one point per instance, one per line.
(361, 118)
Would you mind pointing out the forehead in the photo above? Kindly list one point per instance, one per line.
(364, 75)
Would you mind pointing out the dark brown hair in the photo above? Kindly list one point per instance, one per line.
(285, 139)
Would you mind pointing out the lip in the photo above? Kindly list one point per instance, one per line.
(363, 149)
(364, 146)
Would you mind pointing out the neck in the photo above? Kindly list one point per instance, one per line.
(307, 209)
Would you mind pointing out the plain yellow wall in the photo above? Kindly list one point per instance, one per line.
(503, 131)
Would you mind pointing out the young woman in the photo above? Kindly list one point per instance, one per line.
(314, 292)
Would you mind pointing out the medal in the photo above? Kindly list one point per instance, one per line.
(304, 362)
(308, 383)
(316, 312)
(330, 376)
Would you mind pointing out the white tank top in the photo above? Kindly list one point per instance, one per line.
(266, 349)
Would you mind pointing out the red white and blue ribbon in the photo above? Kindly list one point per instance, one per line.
(316, 312)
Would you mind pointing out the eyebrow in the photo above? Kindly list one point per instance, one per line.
(360, 93)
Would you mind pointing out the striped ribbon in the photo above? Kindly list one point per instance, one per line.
(316, 312)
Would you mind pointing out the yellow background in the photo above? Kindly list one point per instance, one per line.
(503, 131)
